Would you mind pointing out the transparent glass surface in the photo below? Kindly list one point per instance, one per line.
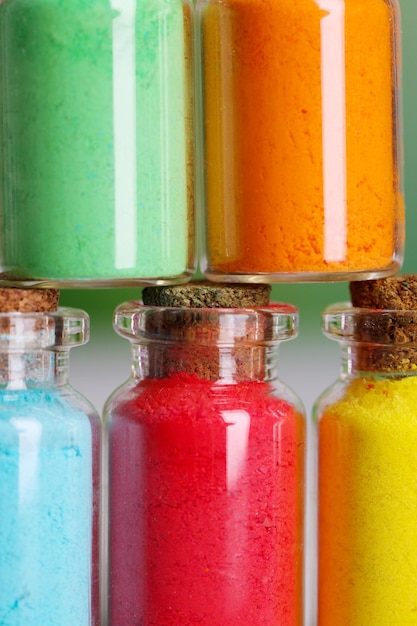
(96, 171)
(302, 173)
(367, 425)
(49, 478)
(206, 472)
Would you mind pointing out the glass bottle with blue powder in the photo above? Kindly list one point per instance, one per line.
(49, 475)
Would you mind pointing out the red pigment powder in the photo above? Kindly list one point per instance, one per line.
(206, 505)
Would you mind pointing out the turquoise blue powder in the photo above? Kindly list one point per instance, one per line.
(45, 510)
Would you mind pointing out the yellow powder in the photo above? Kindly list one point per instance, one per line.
(267, 79)
(368, 505)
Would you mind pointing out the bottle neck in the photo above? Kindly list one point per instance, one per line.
(226, 364)
(378, 360)
(33, 369)
(34, 347)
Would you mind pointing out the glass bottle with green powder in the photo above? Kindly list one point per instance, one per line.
(96, 136)
(49, 475)
(367, 427)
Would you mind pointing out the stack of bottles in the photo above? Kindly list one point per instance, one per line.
(271, 128)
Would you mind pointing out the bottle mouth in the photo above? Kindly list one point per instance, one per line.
(380, 341)
(266, 325)
(61, 329)
(382, 327)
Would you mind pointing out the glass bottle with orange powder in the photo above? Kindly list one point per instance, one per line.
(302, 141)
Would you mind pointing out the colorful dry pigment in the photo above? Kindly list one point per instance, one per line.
(368, 505)
(206, 505)
(301, 154)
(96, 140)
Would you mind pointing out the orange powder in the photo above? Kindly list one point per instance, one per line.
(301, 158)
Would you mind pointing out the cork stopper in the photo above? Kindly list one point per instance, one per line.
(203, 294)
(398, 293)
(199, 352)
(14, 300)
(389, 332)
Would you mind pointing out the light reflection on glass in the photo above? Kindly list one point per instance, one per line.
(29, 436)
(332, 27)
(124, 121)
(237, 439)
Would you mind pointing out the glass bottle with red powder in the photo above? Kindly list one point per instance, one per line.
(206, 471)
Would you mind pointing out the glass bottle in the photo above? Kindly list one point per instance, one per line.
(96, 173)
(302, 172)
(206, 471)
(49, 464)
(367, 430)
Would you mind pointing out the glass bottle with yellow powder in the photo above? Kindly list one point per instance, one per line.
(367, 425)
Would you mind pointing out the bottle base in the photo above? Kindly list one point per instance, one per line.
(300, 277)
(94, 283)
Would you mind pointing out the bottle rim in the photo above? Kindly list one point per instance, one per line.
(61, 329)
(267, 325)
(344, 322)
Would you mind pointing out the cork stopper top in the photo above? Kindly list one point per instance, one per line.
(14, 300)
(388, 332)
(397, 293)
(204, 294)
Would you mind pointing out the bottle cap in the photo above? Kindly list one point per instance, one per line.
(398, 293)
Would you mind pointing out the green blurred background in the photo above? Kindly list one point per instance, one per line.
(308, 364)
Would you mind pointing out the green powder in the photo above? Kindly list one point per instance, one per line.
(95, 127)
